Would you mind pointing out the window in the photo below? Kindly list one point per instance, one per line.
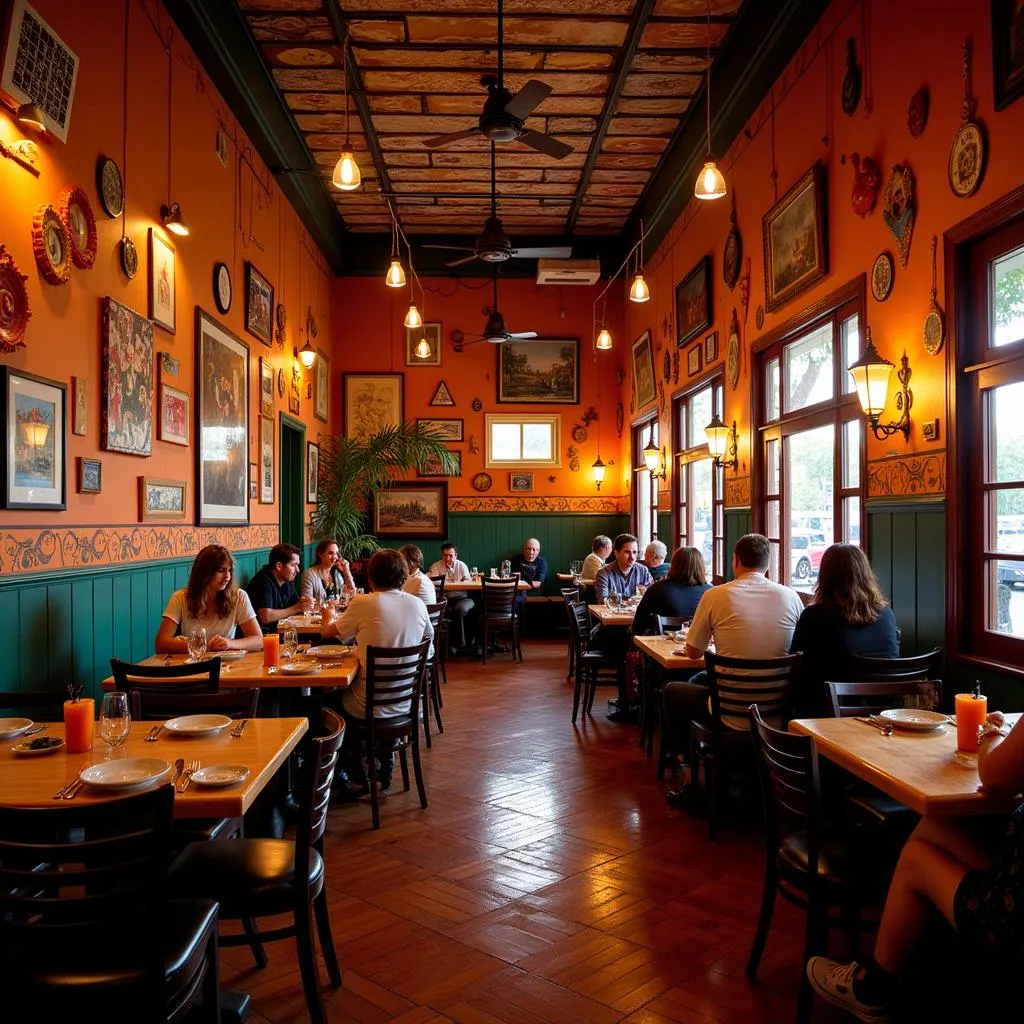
(699, 483)
(645, 487)
(812, 442)
(526, 442)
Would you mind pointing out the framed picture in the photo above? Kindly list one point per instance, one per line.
(169, 366)
(373, 401)
(442, 395)
(693, 302)
(795, 253)
(545, 371)
(259, 305)
(444, 430)
(161, 281)
(433, 467)
(1007, 51)
(711, 348)
(521, 482)
(266, 387)
(254, 481)
(431, 334)
(416, 510)
(266, 460)
(693, 360)
(322, 387)
(222, 423)
(644, 391)
(312, 472)
(128, 360)
(293, 404)
(90, 476)
(173, 415)
(35, 452)
(161, 501)
(80, 416)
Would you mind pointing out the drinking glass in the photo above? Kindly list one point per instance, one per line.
(506, 569)
(474, 571)
(196, 644)
(290, 643)
(611, 602)
(115, 721)
(576, 567)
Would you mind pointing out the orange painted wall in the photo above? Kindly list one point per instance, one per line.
(236, 214)
(371, 338)
(906, 45)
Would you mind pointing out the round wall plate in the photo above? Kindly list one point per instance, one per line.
(129, 257)
(882, 274)
(51, 245)
(110, 187)
(967, 159)
(482, 482)
(280, 383)
(731, 257)
(14, 311)
(732, 360)
(76, 212)
(222, 287)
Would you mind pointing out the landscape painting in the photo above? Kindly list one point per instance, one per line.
(410, 509)
(541, 372)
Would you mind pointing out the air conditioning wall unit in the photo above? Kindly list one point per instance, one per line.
(568, 271)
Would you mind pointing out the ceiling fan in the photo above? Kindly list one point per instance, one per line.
(494, 246)
(503, 114)
(495, 330)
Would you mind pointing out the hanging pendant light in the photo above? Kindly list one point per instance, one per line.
(422, 349)
(413, 318)
(639, 292)
(346, 176)
(710, 182)
(307, 355)
(604, 339)
(396, 274)
(598, 468)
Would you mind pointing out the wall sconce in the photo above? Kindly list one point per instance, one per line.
(654, 459)
(598, 468)
(174, 219)
(722, 442)
(307, 355)
(30, 115)
(871, 375)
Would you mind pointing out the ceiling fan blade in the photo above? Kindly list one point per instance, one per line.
(443, 140)
(450, 248)
(551, 252)
(527, 99)
(545, 144)
(465, 259)
(522, 335)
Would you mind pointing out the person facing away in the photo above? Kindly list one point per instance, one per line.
(677, 595)
(654, 558)
(600, 549)
(213, 602)
(531, 567)
(460, 604)
(329, 576)
(848, 615)
(623, 575)
(272, 590)
(417, 582)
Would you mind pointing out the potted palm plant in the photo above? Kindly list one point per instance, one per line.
(352, 471)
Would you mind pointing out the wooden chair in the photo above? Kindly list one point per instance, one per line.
(873, 697)
(652, 680)
(151, 704)
(498, 612)
(439, 582)
(810, 866)
(593, 668)
(200, 677)
(393, 677)
(571, 596)
(85, 924)
(877, 670)
(50, 701)
(735, 684)
(256, 878)
(431, 677)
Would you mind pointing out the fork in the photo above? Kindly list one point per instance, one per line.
(154, 733)
(239, 729)
(193, 767)
(66, 788)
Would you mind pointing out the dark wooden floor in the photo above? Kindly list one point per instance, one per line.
(548, 881)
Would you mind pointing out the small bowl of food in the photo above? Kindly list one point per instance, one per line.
(38, 745)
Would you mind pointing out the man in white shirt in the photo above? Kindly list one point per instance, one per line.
(749, 617)
(418, 584)
(601, 548)
(460, 604)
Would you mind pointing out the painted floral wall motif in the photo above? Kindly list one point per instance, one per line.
(908, 476)
(610, 505)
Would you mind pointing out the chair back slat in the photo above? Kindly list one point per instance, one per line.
(579, 626)
(499, 596)
(319, 764)
(394, 678)
(439, 582)
(667, 622)
(876, 670)
(46, 705)
(736, 683)
(436, 614)
(849, 699)
(151, 703)
(201, 677)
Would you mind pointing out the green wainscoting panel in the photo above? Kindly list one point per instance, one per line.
(665, 531)
(738, 523)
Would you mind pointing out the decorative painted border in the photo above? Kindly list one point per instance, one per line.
(536, 503)
(27, 551)
(906, 476)
(737, 492)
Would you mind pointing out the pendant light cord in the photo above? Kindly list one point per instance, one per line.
(707, 76)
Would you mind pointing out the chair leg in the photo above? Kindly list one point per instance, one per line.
(211, 980)
(307, 961)
(662, 752)
(435, 697)
(576, 690)
(254, 942)
(403, 764)
(371, 771)
(572, 659)
(815, 943)
(323, 927)
(764, 920)
(418, 772)
(426, 710)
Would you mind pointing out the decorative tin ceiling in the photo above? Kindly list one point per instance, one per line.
(623, 74)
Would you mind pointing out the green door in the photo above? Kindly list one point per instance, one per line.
(293, 481)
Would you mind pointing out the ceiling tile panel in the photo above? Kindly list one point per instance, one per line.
(279, 28)
(695, 35)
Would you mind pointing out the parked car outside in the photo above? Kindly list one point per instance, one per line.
(805, 550)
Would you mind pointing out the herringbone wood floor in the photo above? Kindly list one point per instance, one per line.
(548, 881)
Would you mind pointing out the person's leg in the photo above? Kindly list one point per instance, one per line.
(682, 702)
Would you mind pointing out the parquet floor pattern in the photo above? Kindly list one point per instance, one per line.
(547, 883)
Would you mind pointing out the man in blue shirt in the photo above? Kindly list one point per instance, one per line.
(625, 574)
(532, 569)
(272, 590)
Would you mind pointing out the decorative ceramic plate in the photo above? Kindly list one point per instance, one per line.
(125, 772)
(882, 276)
(967, 159)
(731, 259)
(198, 725)
(11, 727)
(222, 287)
(220, 775)
(915, 719)
(129, 257)
(77, 215)
(51, 245)
(482, 482)
(110, 187)
(35, 748)
(579, 434)
(732, 360)
(917, 113)
(14, 311)
(934, 330)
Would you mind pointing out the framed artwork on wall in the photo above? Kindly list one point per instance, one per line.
(433, 466)
(222, 424)
(1007, 51)
(711, 348)
(90, 476)
(693, 302)
(259, 305)
(429, 333)
(520, 482)
(322, 387)
(128, 361)
(161, 501)
(545, 371)
(266, 460)
(414, 509)
(443, 430)
(693, 360)
(254, 481)
(35, 451)
(161, 281)
(795, 253)
(266, 387)
(373, 401)
(644, 391)
(80, 416)
(173, 415)
(312, 472)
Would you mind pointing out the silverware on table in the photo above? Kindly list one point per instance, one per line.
(63, 789)
(34, 730)
(73, 790)
(154, 733)
(883, 727)
(239, 729)
(193, 767)
(179, 767)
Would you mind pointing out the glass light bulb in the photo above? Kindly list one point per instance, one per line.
(598, 469)
(604, 339)
(396, 275)
(422, 350)
(710, 182)
(308, 355)
(639, 292)
(413, 318)
(346, 172)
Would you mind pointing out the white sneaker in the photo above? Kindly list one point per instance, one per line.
(834, 983)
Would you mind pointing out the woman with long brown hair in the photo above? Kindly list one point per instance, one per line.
(848, 615)
(677, 594)
(210, 601)
(329, 576)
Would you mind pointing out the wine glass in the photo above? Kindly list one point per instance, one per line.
(196, 644)
(506, 569)
(290, 643)
(115, 720)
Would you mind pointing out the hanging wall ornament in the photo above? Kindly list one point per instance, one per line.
(51, 245)
(917, 113)
(867, 180)
(675, 367)
(666, 370)
(851, 80)
(129, 258)
(733, 253)
(80, 224)
(14, 311)
(899, 210)
(934, 330)
(281, 318)
(969, 150)
(732, 352)
(745, 292)
(882, 274)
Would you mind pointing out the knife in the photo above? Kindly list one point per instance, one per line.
(179, 767)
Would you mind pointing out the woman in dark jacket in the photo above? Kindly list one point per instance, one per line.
(849, 615)
(676, 595)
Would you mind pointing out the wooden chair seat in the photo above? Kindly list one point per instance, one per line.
(593, 668)
(498, 612)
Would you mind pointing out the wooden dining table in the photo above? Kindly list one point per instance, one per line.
(263, 747)
(916, 768)
(607, 617)
(663, 650)
(475, 585)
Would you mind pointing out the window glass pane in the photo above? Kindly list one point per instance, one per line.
(1009, 520)
(701, 499)
(536, 441)
(1006, 431)
(1008, 281)
(1006, 602)
(809, 476)
(772, 519)
(771, 398)
(700, 417)
(772, 466)
(505, 441)
(851, 453)
(642, 482)
(850, 333)
(808, 369)
(851, 517)
(773, 561)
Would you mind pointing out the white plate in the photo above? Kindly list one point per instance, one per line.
(220, 775)
(329, 652)
(916, 719)
(300, 668)
(198, 725)
(231, 655)
(125, 773)
(23, 749)
(11, 727)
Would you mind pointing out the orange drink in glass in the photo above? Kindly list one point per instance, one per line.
(271, 650)
(971, 712)
(79, 721)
